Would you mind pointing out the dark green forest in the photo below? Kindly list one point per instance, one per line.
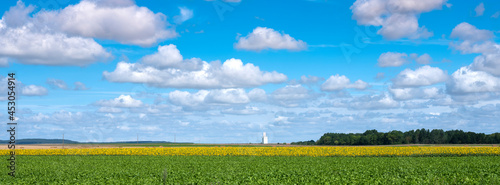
(419, 136)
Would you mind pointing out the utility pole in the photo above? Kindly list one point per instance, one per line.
(63, 142)
(137, 138)
(174, 138)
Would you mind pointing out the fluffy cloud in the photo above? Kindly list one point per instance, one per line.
(25, 90)
(496, 15)
(402, 25)
(423, 76)
(123, 101)
(474, 40)
(392, 59)
(227, 96)
(479, 9)
(383, 101)
(204, 99)
(107, 19)
(415, 105)
(61, 84)
(399, 19)
(465, 81)
(65, 37)
(380, 76)
(29, 46)
(470, 33)
(110, 110)
(23, 39)
(488, 62)
(257, 95)
(416, 93)
(80, 86)
(292, 96)
(165, 69)
(307, 80)
(308, 117)
(185, 15)
(424, 59)
(263, 38)
(34, 90)
(167, 56)
(4, 62)
(337, 83)
(247, 110)
(67, 116)
(57, 84)
(187, 100)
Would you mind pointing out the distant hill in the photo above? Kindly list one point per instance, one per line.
(66, 141)
(40, 141)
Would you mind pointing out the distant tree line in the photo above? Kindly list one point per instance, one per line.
(419, 136)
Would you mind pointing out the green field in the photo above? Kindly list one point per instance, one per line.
(253, 170)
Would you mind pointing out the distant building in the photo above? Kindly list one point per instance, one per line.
(264, 138)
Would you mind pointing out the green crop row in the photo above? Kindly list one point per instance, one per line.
(252, 170)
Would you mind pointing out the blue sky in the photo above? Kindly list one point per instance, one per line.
(224, 71)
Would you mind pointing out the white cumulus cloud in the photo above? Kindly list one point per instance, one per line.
(167, 56)
(399, 19)
(383, 101)
(28, 41)
(34, 90)
(80, 86)
(4, 62)
(337, 83)
(465, 80)
(205, 99)
(292, 96)
(263, 38)
(257, 95)
(392, 59)
(423, 76)
(107, 19)
(57, 84)
(468, 32)
(110, 110)
(479, 9)
(185, 15)
(123, 101)
(424, 59)
(416, 93)
(247, 110)
(474, 40)
(165, 69)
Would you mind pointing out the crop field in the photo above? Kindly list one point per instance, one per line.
(257, 165)
(271, 151)
(253, 170)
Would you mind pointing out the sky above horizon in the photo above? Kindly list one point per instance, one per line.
(224, 71)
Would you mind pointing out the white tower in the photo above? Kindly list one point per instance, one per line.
(264, 138)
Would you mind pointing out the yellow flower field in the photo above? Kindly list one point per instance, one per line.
(269, 151)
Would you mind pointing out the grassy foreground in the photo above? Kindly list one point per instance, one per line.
(253, 170)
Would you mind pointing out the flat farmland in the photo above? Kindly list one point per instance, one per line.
(133, 145)
(149, 145)
(244, 164)
(253, 170)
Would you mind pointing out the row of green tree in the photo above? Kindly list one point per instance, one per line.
(419, 136)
